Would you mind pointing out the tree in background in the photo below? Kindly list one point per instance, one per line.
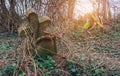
(11, 11)
(9, 16)
(102, 10)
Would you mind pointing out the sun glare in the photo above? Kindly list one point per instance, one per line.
(82, 7)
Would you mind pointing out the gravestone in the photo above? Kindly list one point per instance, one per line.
(39, 42)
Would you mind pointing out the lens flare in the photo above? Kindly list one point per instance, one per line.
(82, 7)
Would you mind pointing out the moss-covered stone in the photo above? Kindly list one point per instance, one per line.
(46, 45)
(42, 43)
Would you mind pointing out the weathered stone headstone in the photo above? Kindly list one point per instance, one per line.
(43, 43)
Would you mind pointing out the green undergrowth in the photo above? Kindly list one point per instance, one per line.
(8, 41)
(105, 45)
(86, 65)
(50, 68)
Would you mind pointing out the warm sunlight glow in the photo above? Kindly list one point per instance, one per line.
(82, 7)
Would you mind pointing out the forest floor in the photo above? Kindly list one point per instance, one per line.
(96, 55)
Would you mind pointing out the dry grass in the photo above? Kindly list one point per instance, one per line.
(69, 48)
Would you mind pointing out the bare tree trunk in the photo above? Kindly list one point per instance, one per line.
(9, 18)
(4, 15)
(71, 6)
(106, 9)
(14, 15)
